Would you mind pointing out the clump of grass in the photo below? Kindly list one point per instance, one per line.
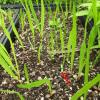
(11, 43)
(85, 50)
(6, 63)
(28, 13)
(72, 38)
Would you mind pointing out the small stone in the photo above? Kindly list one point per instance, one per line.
(42, 98)
(53, 92)
(4, 82)
(47, 96)
(42, 73)
(77, 87)
(68, 62)
(39, 78)
(32, 74)
(42, 63)
(89, 91)
(50, 79)
(41, 94)
(70, 88)
(55, 83)
(10, 85)
(15, 81)
(75, 76)
(1, 33)
(53, 70)
(75, 64)
(25, 93)
(23, 78)
(96, 92)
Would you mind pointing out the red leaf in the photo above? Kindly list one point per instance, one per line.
(65, 77)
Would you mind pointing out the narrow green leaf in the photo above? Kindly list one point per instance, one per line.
(86, 87)
(26, 73)
(14, 28)
(35, 84)
(12, 92)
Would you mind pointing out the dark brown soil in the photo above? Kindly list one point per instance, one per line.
(47, 68)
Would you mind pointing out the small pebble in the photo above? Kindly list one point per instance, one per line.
(42, 98)
(25, 93)
(32, 74)
(89, 91)
(39, 78)
(47, 96)
(53, 92)
(70, 88)
(42, 63)
(4, 82)
(75, 76)
(23, 78)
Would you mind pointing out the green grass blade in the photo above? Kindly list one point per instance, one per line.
(91, 40)
(82, 57)
(62, 40)
(34, 13)
(9, 38)
(12, 92)
(72, 38)
(28, 13)
(42, 17)
(42, 28)
(86, 87)
(52, 42)
(5, 55)
(26, 73)
(7, 68)
(14, 28)
(35, 84)
(22, 17)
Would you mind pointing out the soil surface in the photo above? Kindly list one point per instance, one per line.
(48, 67)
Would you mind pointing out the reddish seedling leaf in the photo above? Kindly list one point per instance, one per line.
(65, 77)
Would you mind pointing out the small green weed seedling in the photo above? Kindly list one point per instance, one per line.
(12, 92)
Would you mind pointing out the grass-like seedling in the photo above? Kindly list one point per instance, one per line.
(72, 38)
(57, 41)
(85, 88)
(84, 60)
(13, 27)
(35, 84)
(34, 14)
(12, 92)
(42, 28)
(29, 85)
(26, 73)
(28, 13)
(6, 63)
(52, 43)
(22, 17)
(11, 43)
